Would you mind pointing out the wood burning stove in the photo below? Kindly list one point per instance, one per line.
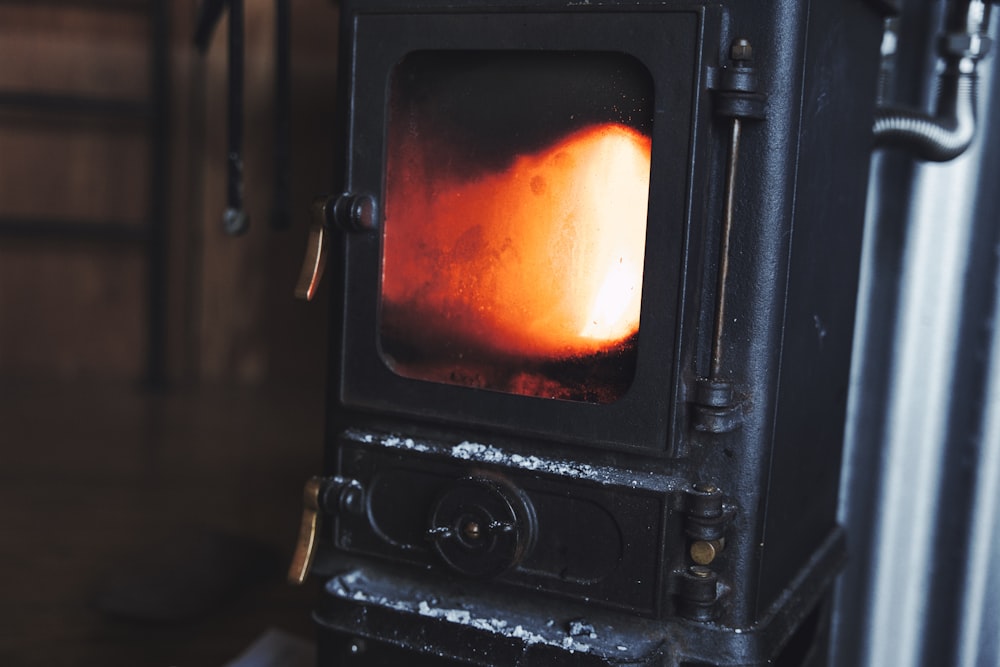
(593, 272)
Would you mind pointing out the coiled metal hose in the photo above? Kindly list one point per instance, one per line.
(949, 133)
(939, 138)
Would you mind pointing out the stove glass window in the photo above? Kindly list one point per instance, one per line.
(516, 198)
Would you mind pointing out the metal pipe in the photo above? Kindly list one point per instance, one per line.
(948, 133)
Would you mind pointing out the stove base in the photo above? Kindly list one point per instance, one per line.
(375, 615)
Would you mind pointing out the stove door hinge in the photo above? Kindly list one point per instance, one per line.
(716, 406)
(737, 98)
(328, 496)
(736, 86)
(698, 591)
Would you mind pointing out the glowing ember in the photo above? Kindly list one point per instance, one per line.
(543, 259)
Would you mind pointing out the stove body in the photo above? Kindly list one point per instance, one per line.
(668, 501)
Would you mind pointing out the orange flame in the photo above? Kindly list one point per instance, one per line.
(543, 259)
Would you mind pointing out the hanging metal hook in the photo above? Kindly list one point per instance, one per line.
(235, 220)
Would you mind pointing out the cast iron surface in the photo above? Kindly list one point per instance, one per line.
(596, 531)
(794, 254)
(667, 44)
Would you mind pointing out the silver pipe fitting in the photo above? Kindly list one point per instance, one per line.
(948, 133)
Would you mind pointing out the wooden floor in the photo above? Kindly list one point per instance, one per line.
(148, 530)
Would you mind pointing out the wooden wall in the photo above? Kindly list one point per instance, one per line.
(71, 309)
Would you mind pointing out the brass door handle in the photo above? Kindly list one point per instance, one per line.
(305, 548)
(356, 213)
(332, 496)
(315, 259)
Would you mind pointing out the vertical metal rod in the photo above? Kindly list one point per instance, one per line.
(156, 273)
(280, 212)
(209, 13)
(234, 218)
(727, 225)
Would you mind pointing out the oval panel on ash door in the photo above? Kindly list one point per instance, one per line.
(578, 540)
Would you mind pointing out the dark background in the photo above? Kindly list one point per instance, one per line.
(146, 526)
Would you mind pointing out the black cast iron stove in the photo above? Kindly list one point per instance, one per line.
(593, 269)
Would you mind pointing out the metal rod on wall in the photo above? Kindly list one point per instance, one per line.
(159, 173)
(234, 219)
(281, 211)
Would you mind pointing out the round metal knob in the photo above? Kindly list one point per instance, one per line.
(482, 527)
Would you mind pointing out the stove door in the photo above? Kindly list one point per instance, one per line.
(533, 174)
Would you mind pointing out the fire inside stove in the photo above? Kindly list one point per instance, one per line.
(515, 221)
